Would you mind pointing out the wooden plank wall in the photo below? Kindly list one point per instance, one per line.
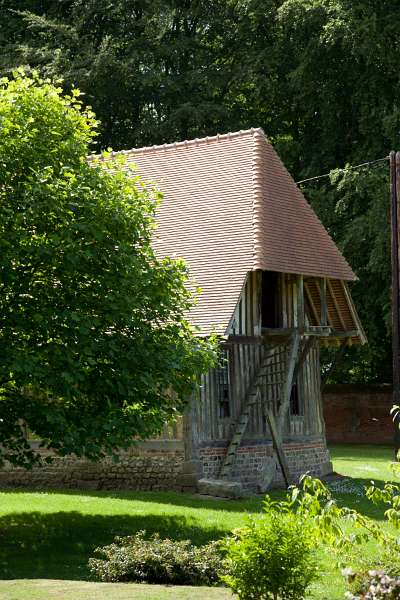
(243, 360)
(246, 319)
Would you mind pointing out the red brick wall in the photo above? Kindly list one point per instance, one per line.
(358, 415)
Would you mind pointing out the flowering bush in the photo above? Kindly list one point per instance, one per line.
(156, 560)
(373, 585)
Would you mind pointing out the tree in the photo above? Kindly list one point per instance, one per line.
(154, 71)
(95, 348)
(320, 76)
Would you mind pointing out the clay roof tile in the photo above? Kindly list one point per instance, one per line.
(230, 206)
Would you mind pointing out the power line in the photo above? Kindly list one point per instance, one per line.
(351, 168)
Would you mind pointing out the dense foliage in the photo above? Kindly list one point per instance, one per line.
(155, 560)
(94, 345)
(271, 559)
(320, 76)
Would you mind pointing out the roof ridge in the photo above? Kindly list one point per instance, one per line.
(256, 131)
(259, 138)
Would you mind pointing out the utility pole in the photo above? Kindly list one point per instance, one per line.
(395, 220)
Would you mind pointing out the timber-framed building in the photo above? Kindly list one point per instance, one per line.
(274, 288)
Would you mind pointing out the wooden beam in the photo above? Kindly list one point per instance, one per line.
(278, 446)
(345, 334)
(337, 307)
(300, 301)
(361, 332)
(324, 305)
(311, 303)
(287, 388)
(303, 355)
(244, 339)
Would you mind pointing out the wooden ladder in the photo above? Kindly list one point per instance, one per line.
(296, 354)
(251, 398)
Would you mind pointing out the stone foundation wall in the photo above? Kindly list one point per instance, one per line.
(358, 414)
(161, 466)
(139, 469)
(312, 456)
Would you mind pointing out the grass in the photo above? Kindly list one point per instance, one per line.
(47, 537)
(47, 589)
(52, 534)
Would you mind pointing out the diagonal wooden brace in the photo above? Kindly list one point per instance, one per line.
(276, 429)
(287, 388)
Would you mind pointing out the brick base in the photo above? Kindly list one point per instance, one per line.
(251, 459)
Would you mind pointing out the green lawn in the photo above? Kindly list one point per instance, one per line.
(48, 589)
(49, 536)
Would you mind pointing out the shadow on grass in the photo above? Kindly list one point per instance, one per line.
(58, 545)
(252, 504)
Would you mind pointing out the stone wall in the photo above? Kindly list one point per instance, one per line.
(149, 467)
(358, 414)
(162, 466)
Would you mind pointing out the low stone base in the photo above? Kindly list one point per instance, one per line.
(139, 469)
(220, 488)
(162, 466)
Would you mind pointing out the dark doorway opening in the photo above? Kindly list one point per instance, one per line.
(295, 403)
(269, 300)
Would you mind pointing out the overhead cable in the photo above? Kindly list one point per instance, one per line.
(350, 168)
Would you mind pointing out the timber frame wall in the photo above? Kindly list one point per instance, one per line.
(243, 351)
(232, 411)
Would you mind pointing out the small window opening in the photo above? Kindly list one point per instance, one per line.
(269, 300)
(295, 401)
(223, 386)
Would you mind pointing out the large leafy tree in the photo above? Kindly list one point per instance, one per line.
(153, 71)
(95, 349)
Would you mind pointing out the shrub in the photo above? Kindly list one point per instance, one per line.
(373, 585)
(272, 558)
(157, 560)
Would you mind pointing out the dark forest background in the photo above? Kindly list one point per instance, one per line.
(321, 77)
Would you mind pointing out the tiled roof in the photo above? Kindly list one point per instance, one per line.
(230, 207)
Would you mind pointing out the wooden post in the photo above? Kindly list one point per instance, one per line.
(300, 301)
(394, 213)
(277, 444)
(287, 388)
(324, 306)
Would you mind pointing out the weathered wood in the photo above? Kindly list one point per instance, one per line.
(324, 304)
(283, 295)
(360, 329)
(336, 304)
(277, 444)
(244, 340)
(307, 345)
(300, 301)
(190, 429)
(289, 379)
(311, 303)
(252, 397)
